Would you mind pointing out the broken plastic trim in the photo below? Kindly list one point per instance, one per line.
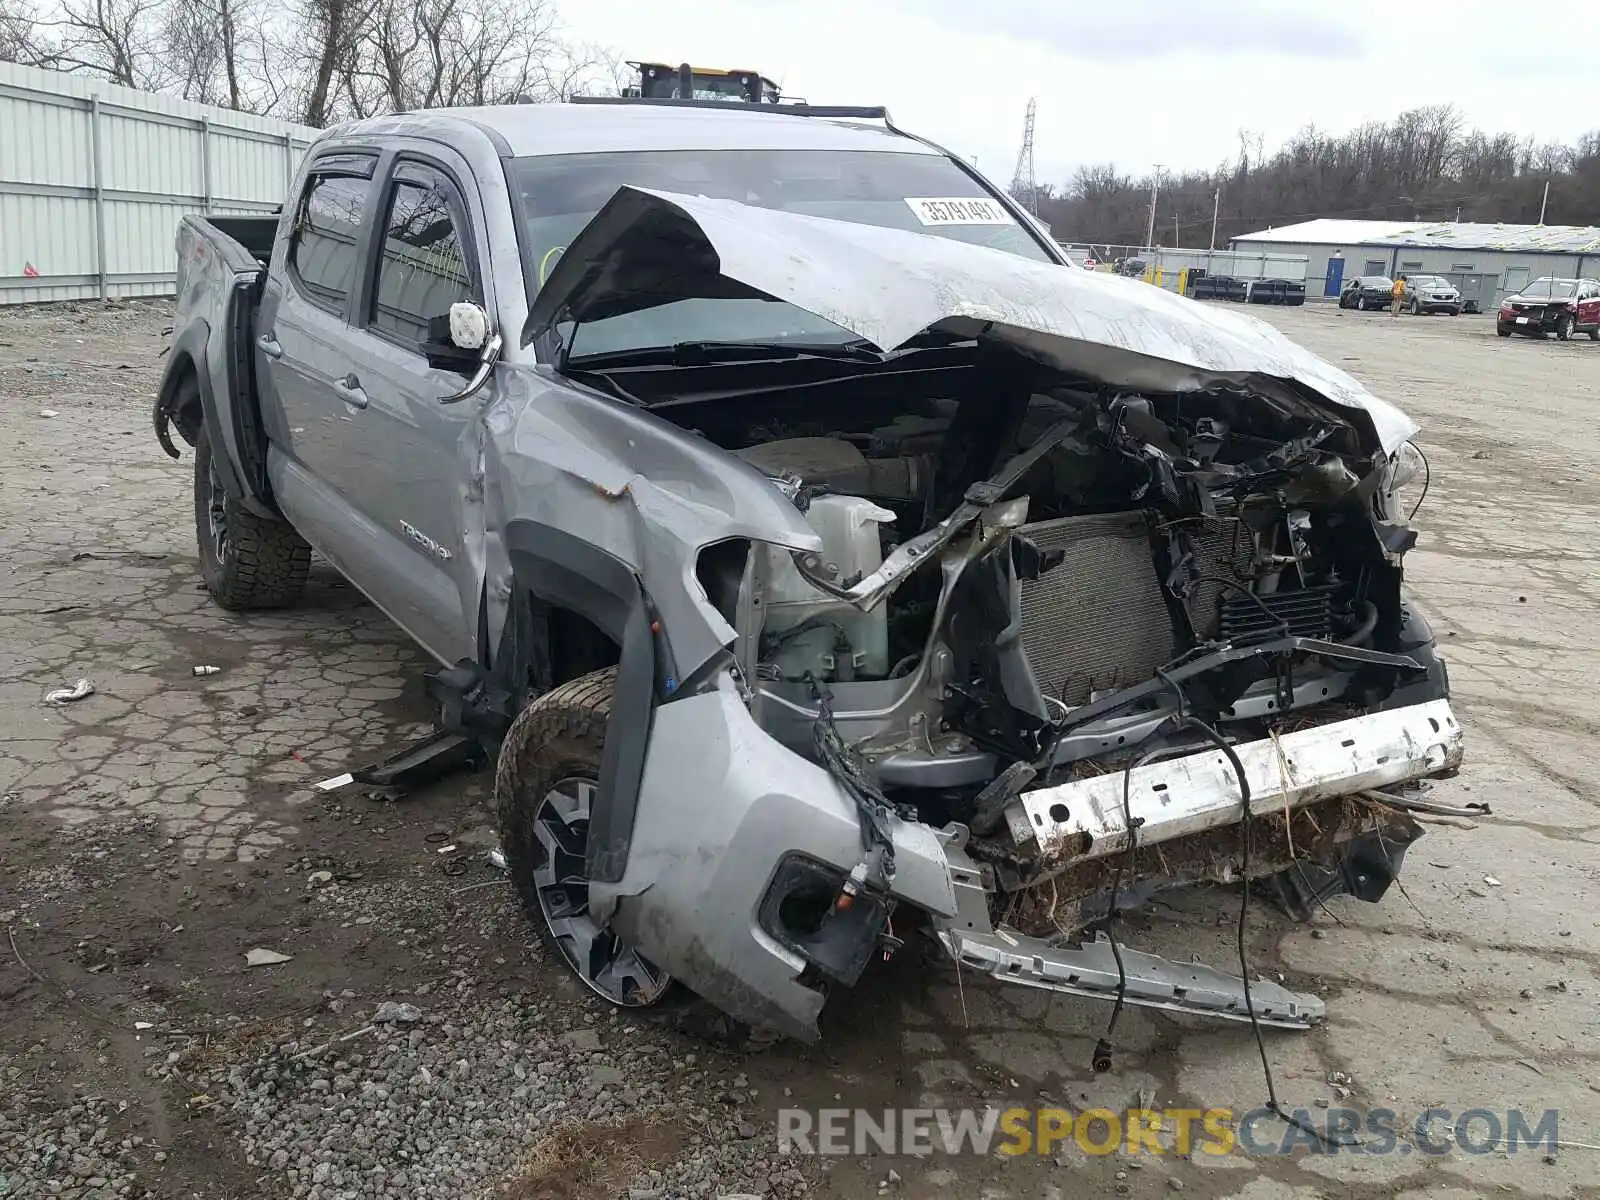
(980, 498)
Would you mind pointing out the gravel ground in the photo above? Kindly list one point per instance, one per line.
(416, 1043)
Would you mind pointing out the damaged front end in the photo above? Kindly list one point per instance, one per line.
(1092, 617)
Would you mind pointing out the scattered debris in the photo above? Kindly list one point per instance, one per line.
(48, 412)
(144, 1025)
(1480, 455)
(446, 849)
(67, 695)
(391, 1012)
(1492, 881)
(264, 958)
(338, 1041)
(318, 878)
(1559, 985)
(337, 781)
(1522, 1062)
(200, 671)
(497, 857)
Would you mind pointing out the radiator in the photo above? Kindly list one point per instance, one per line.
(1099, 620)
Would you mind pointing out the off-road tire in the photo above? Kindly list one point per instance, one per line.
(263, 562)
(558, 736)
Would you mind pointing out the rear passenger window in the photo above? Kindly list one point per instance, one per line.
(323, 253)
(423, 270)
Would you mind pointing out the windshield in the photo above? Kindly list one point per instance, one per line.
(1429, 281)
(557, 195)
(1376, 281)
(1551, 289)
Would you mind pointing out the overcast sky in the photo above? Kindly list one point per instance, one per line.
(1137, 82)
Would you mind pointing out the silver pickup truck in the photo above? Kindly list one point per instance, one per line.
(820, 562)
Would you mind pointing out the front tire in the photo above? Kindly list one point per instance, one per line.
(247, 561)
(1564, 328)
(545, 783)
(1503, 330)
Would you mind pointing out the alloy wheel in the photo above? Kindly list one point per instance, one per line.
(217, 515)
(606, 964)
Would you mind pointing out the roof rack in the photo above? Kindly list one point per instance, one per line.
(856, 111)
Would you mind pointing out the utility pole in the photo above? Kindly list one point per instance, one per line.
(1543, 203)
(1216, 207)
(1155, 190)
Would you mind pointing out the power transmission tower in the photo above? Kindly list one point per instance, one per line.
(1024, 186)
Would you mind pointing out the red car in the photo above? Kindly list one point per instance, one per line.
(1559, 306)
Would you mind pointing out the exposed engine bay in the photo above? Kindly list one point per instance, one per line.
(1039, 583)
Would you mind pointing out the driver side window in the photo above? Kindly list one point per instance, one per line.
(423, 268)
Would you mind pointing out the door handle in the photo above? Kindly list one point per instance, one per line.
(349, 389)
(269, 346)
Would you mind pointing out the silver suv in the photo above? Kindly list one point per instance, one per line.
(1432, 294)
(820, 563)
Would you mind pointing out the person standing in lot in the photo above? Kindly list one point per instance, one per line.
(1398, 292)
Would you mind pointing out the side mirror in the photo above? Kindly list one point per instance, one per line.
(463, 341)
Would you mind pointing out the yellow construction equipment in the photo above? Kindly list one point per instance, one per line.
(659, 81)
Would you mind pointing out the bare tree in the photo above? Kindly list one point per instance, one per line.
(113, 38)
(19, 40)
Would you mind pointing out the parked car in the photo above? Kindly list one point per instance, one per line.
(1559, 306)
(1370, 291)
(1277, 291)
(1134, 268)
(1431, 294)
(1219, 287)
(791, 547)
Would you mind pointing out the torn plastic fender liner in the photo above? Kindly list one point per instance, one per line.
(566, 571)
(1197, 792)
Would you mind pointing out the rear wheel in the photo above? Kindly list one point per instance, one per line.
(247, 561)
(1594, 334)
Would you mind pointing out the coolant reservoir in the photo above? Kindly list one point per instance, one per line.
(852, 543)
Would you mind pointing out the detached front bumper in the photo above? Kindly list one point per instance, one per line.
(727, 817)
(729, 820)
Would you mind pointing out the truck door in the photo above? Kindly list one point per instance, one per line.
(408, 462)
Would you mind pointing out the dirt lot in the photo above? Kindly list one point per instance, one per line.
(153, 833)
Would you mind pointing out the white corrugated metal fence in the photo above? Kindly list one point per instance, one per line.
(94, 177)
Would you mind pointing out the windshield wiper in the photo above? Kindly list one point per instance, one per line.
(706, 353)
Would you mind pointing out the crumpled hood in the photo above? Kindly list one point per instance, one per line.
(646, 248)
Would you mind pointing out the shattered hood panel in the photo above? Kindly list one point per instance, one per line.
(647, 248)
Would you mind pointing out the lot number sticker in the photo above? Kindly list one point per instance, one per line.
(958, 210)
